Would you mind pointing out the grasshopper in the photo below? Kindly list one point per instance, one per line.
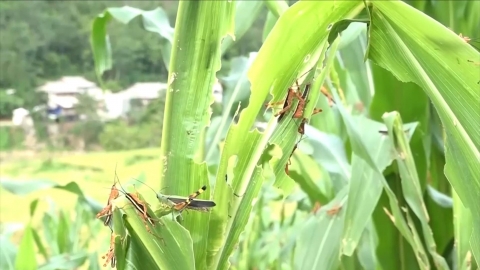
(107, 210)
(110, 256)
(293, 93)
(141, 207)
(177, 204)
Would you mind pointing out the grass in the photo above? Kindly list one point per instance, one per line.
(93, 172)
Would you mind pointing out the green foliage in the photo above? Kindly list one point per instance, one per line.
(89, 131)
(152, 113)
(40, 123)
(8, 103)
(62, 243)
(363, 178)
(90, 127)
(11, 138)
(119, 135)
(354, 197)
(32, 53)
(142, 130)
(176, 255)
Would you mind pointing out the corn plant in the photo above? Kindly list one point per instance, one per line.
(59, 241)
(367, 169)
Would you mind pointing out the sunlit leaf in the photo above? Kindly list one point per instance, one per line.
(154, 21)
(441, 63)
(26, 251)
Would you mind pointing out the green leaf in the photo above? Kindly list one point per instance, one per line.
(18, 187)
(169, 248)
(196, 222)
(303, 170)
(237, 219)
(239, 88)
(277, 8)
(356, 72)
(366, 251)
(102, 51)
(93, 262)
(410, 183)
(413, 105)
(246, 12)
(268, 72)
(269, 23)
(390, 238)
(425, 55)
(329, 151)
(41, 247)
(326, 229)
(408, 232)
(357, 141)
(361, 167)
(365, 188)
(475, 243)
(289, 128)
(26, 258)
(195, 59)
(65, 261)
(244, 148)
(341, 25)
(49, 230)
(8, 252)
(462, 220)
(440, 208)
(154, 21)
(33, 207)
(63, 228)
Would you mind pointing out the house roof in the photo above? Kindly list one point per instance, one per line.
(151, 90)
(67, 84)
(66, 102)
(145, 90)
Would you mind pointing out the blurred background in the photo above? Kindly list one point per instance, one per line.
(58, 126)
(63, 132)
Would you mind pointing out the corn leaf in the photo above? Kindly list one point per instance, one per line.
(195, 59)
(444, 66)
(26, 251)
(169, 246)
(411, 184)
(154, 21)
(244, 148)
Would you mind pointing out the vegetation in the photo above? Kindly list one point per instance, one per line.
(45, 57)
(32, 53)
(387, 177)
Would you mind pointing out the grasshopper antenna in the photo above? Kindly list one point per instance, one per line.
(118, 179)
(115, 175)
(149, 186)
(308, 71)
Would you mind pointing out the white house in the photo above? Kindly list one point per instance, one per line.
(116, 105)
(145, 91)
(148, 91)
(63, 94)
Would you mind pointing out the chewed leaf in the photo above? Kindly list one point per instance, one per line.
(167, 246)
